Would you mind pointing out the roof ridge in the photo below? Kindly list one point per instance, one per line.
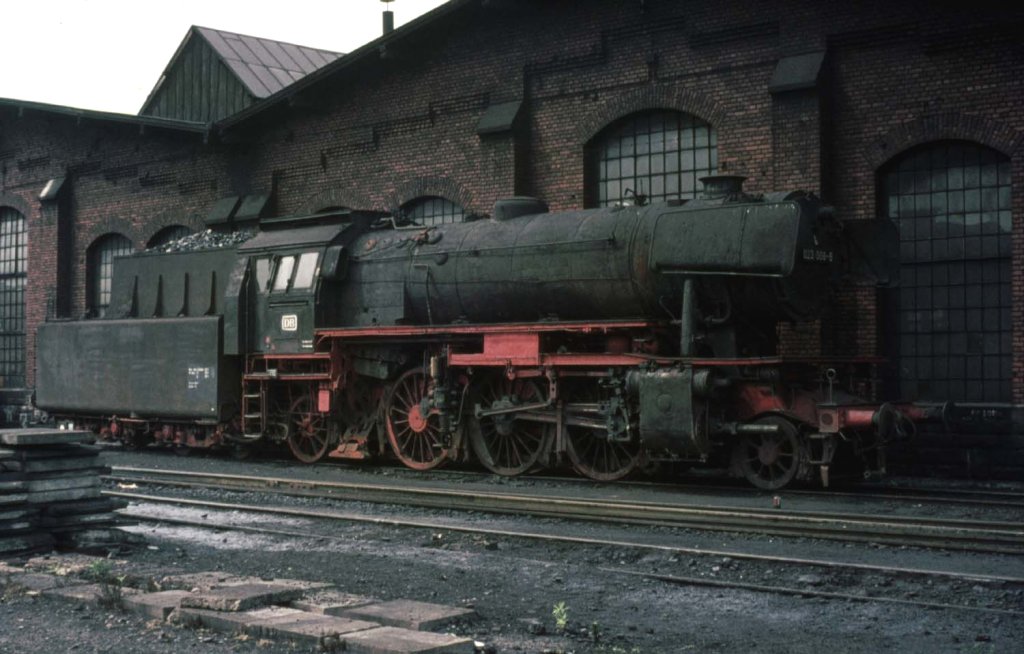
(263, 38)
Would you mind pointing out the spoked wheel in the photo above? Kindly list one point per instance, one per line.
(308, 437)
(414, 433)
(592, 453)
(769, 460)
(504, 445)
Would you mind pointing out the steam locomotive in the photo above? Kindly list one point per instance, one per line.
(613, 338)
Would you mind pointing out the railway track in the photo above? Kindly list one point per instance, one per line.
(925, 578)
(870, 492)
(959, 535)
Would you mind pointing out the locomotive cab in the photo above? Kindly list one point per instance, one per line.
(285, 289)
(291, 275)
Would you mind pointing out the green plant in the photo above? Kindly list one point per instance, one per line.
(111, 596)
(561, 614)
(98, 570)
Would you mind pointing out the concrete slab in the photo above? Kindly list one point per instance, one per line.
(12, 498)
(157, 605)
(66, 483)
(73, 564)
(241, 597)
(332, 602)
(16, 513)
(76, 522)
(84, 507)
(12, 527)
(32, 542)
(47, 452)
(311, 627)
(197, 581)
(11, 465)
(46, 497)
(411, 614)
(62, 464)
(228, 620)
(13, 486)
(43, 436)
(89, 593)
(395, 640)
(32, 581)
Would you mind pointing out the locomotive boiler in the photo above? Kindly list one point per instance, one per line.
(610, 338)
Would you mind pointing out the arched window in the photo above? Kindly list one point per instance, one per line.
(433, 210)
(950, 323)
(13, 250)
(659, 154)
(167, 235)
(100, 269)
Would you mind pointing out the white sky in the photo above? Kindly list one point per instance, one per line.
(108, 54)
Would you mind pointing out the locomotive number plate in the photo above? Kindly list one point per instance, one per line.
(818, 256)
(289, 323)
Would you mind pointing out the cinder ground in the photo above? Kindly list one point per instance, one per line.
(535, 597)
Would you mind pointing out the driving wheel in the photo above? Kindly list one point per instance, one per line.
(503, 444)
(591, 452)
(414, 430)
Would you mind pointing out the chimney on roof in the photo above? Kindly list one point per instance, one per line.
(389, 17)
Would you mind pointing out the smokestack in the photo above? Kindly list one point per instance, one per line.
(389, 17)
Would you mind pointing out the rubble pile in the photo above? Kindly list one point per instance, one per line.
(50, 494)
(208, 240)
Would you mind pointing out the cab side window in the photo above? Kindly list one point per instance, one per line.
(263, 267)
(306, 272)
(284, 273)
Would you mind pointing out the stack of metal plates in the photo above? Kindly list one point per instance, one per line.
(50, 491)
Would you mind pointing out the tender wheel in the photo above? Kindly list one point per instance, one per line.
(308, 437)
(415, 435)
(504, 445)
(769, 460)
(136, 439)
(592, 454)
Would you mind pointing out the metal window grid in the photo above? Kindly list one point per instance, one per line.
(953, 325)
(101, 269)
(433, 210)
(13, 251)
(660, 154)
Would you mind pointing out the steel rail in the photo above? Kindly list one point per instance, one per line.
(970, 497)
(578, 540)
(964, 535)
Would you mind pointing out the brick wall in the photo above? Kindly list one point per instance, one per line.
(402, 123)
(118, 179)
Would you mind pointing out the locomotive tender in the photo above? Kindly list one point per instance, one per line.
(617, 337)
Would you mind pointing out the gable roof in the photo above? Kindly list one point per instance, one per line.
(367, 52)
(262, 67)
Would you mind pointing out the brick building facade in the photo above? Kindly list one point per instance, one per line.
(906, 109)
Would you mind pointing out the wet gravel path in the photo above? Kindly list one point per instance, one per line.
(516, 585)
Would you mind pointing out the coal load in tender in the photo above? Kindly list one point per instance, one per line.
(50, 494)
(208, 240)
